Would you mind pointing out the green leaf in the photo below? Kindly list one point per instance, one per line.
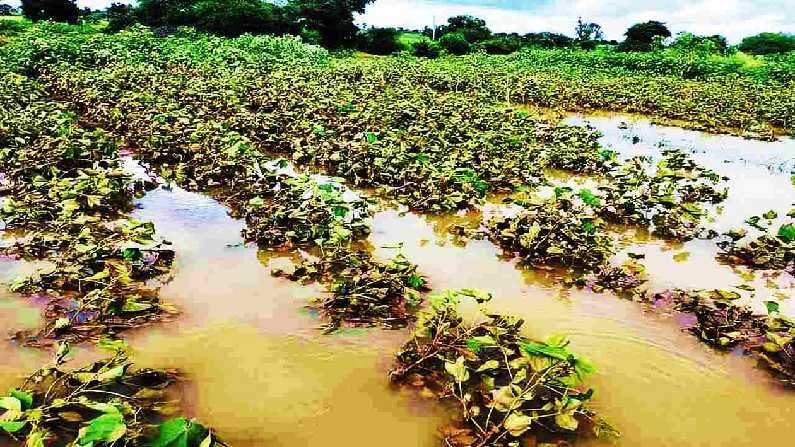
(36, 438)
(588, 197)
(517, 423)
(458, 370)
(489, 365)
(256, 202)
(541, 349)
(770, 215)
(475, 344)
(566, 421)
(416, 281)
(10, 403)
(105, 428)
(180, 432)
(772, 307)
(25, 398)
(787, 232)
(12, 427)
(131, 254)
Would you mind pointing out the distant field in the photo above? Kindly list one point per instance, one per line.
(409, 38)
(10, 17)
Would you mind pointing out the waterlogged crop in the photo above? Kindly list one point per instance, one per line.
(505, 388)
(773, 249)
(105, 403)
(363, 291)
(670, 196)
(563, 230)
(64, 189)
(724, 324)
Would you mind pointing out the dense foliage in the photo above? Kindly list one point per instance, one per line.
(57, 10)
(768, 43)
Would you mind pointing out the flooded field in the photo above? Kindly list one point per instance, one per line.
(263, 374)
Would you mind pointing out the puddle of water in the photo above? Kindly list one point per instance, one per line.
(759, 176)
(658, 384)
(262, 373)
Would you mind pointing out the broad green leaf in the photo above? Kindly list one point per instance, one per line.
(105, 428)
(24, 397)
(787, 232)
(566, 421)
(489, 365)
(458, 370)
(12, 426)
(180, 432)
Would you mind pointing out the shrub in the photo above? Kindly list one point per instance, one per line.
(120, 16)
(768, 43)
(501, 45)
(380, 41)
(426, 48)
(455, 43)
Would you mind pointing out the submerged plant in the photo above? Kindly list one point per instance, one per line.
(363, 290)
(506, 389)
(564, 230)
(105, 403)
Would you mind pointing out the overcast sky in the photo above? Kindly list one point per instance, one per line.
(734, 19)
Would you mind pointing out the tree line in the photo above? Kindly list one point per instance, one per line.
(331, 23)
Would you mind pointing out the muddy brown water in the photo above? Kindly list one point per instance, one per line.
(263, 375)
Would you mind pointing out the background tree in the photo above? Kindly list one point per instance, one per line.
(158, 13)
(505, 44)
(6, 10)
(232, 18)
(768, 43)
(548, 40)
(331, 19)
(56, 10)
(455, 43)
(120, 16)
(586, 31)
(641, 36)
(472, 28)
(715, 44)
(426, 48)
(380, 41)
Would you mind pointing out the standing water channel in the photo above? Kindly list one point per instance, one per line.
(262, 374)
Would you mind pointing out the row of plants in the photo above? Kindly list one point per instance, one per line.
(729, 104)
(65, 200)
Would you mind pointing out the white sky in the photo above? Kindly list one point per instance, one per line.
(734, 19)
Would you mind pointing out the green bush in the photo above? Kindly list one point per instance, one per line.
(426, 48)
(501, 45)
(455, 43)
(768, 43)
(380, 41)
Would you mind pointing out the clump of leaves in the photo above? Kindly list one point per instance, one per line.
(778, 348)
(98, 279)
(506, 388)
(105, 403)
(66, 191)
(362, 290)
(720, 322)
(723, 323)
(670, 197)
(564, 230)
(306, 209)
(627, 279)
(767, 251)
